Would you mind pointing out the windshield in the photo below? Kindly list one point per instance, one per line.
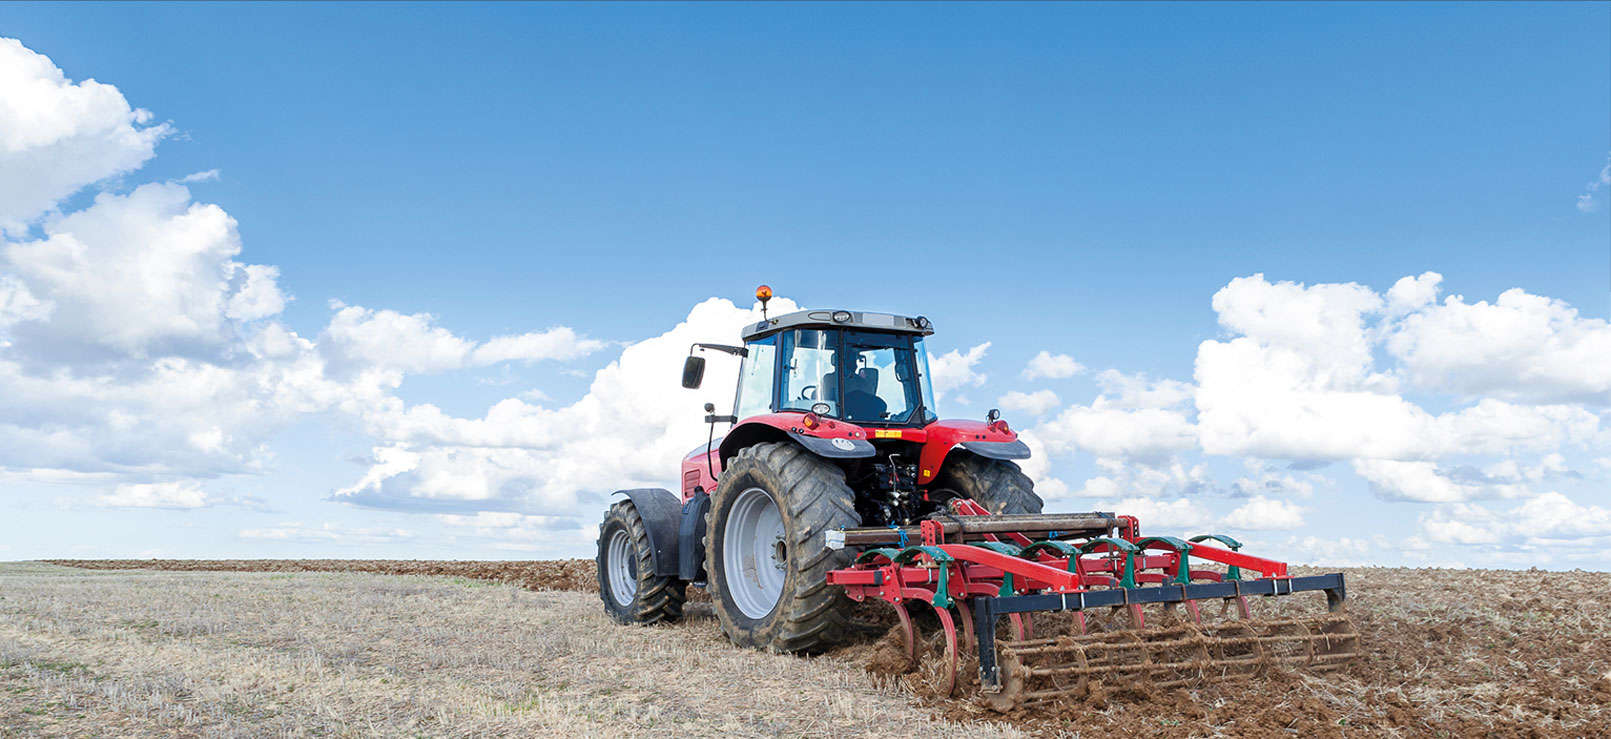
(809, 375)
(863, 377)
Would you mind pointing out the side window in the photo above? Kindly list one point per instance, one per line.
(755, 379)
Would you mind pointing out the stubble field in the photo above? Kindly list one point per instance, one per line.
(341, 647)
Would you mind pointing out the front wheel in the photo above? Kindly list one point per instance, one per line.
(631, 592)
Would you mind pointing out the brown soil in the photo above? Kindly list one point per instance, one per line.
(1444, 653)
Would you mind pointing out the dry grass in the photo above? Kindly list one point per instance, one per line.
(1446, 653)
(90, 653)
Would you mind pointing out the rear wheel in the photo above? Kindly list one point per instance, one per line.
(766, 554)
(631, 592)
(996, 484)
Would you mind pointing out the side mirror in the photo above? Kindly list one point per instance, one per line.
(693, 372)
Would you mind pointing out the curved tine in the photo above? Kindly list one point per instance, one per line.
(908, 635)
(1195, 612)
(946, 684)
(1023, 627)
(1079, 623)
(966, 614)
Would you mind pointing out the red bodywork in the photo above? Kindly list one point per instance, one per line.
(937, 440)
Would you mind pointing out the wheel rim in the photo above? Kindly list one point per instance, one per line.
(620, 569)
(754, 555)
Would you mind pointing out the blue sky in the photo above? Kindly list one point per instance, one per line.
(1079, 179)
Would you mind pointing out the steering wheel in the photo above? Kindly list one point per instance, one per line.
(808, 392)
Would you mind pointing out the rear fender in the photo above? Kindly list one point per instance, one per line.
(662, 514)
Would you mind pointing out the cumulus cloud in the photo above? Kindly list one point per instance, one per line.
(631, 429)
(1522, 347)
(1047, 365)
(1032, 404)
(954, 370)
(138, 275)
(1307, 389)
(57, 136)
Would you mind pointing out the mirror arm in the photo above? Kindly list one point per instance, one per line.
(737, 351)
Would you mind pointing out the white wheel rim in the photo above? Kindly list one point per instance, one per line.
(754, 556)
(619, 568)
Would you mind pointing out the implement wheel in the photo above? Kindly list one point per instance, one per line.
(627, 583)
(996, 484)
(765, 553)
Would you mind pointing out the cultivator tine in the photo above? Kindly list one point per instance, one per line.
(908, 634)
(943, 676)
(965, 614)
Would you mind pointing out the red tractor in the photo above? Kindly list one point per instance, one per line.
(837, 481)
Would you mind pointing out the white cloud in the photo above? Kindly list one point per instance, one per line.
(1520, 347)
(182, 494)
(1158, 516)
(1032, 404)
(1548, 520)
(326, 533)
(954, 370)
(139, 275)
(631, 429)
(1264, 514)
(1589, 201)
(414, 343)
(1144, 435)
(1308, 390)
(57, 136)
(1173, 479)
(1052, 367)
(1413, 293)
(1120, 390)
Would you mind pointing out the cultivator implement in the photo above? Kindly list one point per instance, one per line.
(1004, 576)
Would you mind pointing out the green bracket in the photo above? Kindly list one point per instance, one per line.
(1183, 573)
(1232, 572)
(1062, 548)
(942, 595)
(1127, 579)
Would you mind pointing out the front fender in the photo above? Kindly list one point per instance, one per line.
(839, 448)
(1015, 449)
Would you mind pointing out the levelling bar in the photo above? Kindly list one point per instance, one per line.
(987, 610)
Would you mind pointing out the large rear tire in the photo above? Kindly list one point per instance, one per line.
(996, 484)
(631, 592)
(766, 555)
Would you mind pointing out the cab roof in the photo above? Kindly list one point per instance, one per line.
(822, 318)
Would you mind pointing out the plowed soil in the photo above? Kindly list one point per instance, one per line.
(1443, 653)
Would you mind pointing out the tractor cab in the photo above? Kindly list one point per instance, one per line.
(869, 369)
